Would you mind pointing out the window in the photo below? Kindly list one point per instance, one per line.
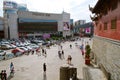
(113, 24)
(105, 26)
(7, 16)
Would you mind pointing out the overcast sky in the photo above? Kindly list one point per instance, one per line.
(78, 9)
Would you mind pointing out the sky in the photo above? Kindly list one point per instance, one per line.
(78, 9)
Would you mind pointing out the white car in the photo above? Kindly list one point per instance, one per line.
(13, 46)
(5, 46)
(23, 48)
(1, 54)
(9, 55)
(34, 46)
(28, 47)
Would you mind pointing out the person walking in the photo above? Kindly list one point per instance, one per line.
(70, 46)
(61, 46)
(59, 54)
(32, 52)
(4, 56)
(62, 54)
(69, 59)
(11, 67)
(44, 68)
(82, 49)
(5, 75)
(2, 75)
(45, 53)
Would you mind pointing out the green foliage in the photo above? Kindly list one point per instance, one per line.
(87, 49)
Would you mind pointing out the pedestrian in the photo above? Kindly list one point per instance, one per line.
(44, 68)
(59, 54)
(37, 51)
(4, 56)
(62, 54)
(32, 52)
(69, 59)
(45, 53)
(82, 49)
(61, 46)
(28, 52)
(11, 67)
(2, 75)
(70, 46)
(5, 75)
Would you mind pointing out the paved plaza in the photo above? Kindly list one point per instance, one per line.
(31, 67)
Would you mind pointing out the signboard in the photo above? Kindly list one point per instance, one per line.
(46, 36)
(88, 30)
(9, 5)
(41, 14)
(66, 26)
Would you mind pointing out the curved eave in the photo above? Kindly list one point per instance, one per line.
(97, 7)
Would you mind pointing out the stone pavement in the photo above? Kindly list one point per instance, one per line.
(31, 67)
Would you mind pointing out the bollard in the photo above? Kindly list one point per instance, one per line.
(64, 73)
(73, 73)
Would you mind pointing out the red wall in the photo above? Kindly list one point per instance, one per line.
(109, 33)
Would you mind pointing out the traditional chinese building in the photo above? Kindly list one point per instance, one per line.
(107, 19)
(106, 42)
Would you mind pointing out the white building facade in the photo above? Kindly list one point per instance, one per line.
(1, 27)
(17, 23)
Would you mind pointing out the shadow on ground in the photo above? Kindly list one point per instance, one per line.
(10, 76)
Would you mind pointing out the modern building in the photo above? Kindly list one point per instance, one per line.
(84, 30)
(71, 23)
(106, 42)
(79, 22)
(1, 27)
(20, 22)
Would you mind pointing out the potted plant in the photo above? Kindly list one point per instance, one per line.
(87, 54)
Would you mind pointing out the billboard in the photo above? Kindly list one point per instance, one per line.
(9, 5)
(66, 26)
(88, 30)
(46, 36)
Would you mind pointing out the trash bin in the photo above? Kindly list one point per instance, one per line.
(64, 73)
(73, 73)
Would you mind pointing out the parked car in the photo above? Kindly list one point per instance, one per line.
(44, 43)
(9, 55)
(5, 46)
(29, 48)
(1, 54)
(13, 46)
(37, 41)
(34, 46)
(18, 54)
(24, 49)
(16, 50)
(4, 42)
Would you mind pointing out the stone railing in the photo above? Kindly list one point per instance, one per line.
(107, 74)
